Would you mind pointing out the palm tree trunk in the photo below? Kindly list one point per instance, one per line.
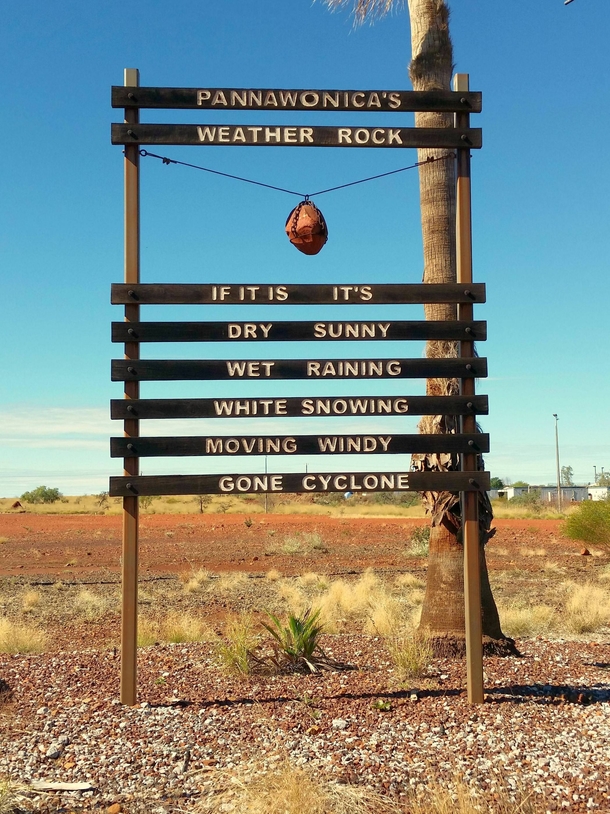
(442, 619)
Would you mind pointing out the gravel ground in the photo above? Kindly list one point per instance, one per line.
(545, 726)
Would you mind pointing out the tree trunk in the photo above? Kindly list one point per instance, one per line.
(442, 619)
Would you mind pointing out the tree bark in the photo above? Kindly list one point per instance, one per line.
(442, 619)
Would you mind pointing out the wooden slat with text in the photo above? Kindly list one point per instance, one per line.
(197, 445)
(295, 294)
(293, 482)
(235, 135)
(316, 406)
(157, 370)
(397, 101)
(268, 331)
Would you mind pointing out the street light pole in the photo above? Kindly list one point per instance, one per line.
(557, 459)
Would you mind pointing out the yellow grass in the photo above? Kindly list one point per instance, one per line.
(196, 580)
(175, 628)
(525, 620)
(238, 640)
(31, 600)
(20, 638)
(411, 655)
(90, 605)
(587, 608)
(290, 790)
(246, 504)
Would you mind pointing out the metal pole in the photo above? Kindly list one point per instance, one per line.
(555, 416)
(469, 500)
(129, 619)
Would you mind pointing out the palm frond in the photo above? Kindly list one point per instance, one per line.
(363, 9)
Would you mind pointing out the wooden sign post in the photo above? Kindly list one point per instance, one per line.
(131, 370)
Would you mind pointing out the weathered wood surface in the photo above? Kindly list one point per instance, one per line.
(236, 135)
(296, 294)
(312, 369)
(339, 406)
(397, 101)
(384, 443)
(268, 331)
(293, 482)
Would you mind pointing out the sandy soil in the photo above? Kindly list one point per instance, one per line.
(76, 545)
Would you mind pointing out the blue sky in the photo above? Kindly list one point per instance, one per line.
(540, 218)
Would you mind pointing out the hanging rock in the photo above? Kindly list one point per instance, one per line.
(306, 228)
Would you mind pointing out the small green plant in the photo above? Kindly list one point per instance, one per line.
(296, 645)
(382, 704)
(419, 542)
(146, 501)
(590, 523)
(42, 494)
(248, 522)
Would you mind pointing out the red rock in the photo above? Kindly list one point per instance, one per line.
(115, 808)
(585, 552)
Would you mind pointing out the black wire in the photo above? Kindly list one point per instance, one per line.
(166, 160)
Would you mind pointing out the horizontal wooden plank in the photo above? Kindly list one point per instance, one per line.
(297, 483)
(295, 294)
(295, 331)
(316, 406)
(397, 101)
(312, 369)
(235, 135)
(197, 445)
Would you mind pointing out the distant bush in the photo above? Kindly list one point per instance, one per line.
(590, 522)
(529, 500)
(396, 498)
(42, 494)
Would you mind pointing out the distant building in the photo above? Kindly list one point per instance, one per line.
(598, 492)
(548, 494)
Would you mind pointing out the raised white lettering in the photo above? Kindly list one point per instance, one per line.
(203, 96)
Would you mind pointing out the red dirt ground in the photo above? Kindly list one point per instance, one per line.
(80, 544)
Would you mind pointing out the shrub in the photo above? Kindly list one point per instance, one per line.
(530, 501)
(590, 522)
(42, 494)
(419, 541)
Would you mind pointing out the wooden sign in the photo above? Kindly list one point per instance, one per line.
(298, 407)
(147, 447)
(293, 482)
(251, 135)
(313, 369)
(397, 101)
(295, 294)
(295, 331)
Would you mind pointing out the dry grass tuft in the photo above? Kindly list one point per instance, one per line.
(411, 655)
(175, 628)
(231, 582)
(31, 600)
(463, 799)
(409, 581)
(90, 605)
(196, 580)
(273, 575)
(21, 638)
(587, 608)
(525, 620)
(238, 642)
(290, 790)
(9, 796)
